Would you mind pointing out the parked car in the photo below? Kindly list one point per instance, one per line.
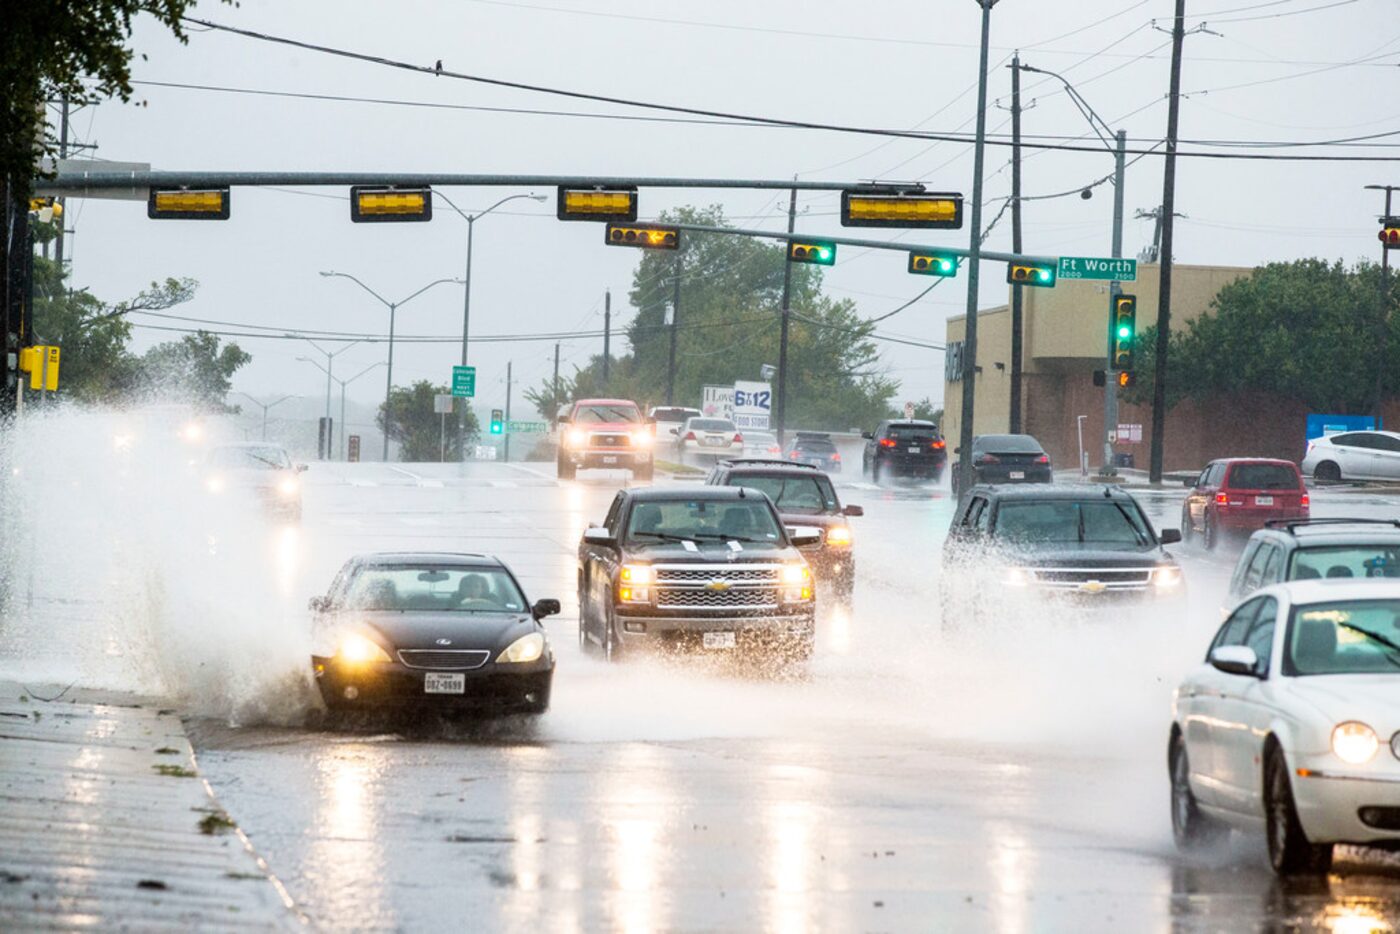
(761, 444)
(665, 418)
(904, 447)
(606, 433)
(705, 568)
(804, 496)
(1307, 549)
(1354, 455)
(434, 630)
(258, 469)
(816, 449)
(1082, 542)
(708, 439)
(1006, 459)
(1238, 495)
(1292, 722)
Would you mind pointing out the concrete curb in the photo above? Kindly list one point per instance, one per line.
(105, 823)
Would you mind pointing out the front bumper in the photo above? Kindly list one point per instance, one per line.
(662, 633)
(831, 564)
(390, 685)
(608, 458)
(1331, 796)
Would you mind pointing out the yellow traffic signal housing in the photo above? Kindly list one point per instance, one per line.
(47, 209)
(198, 204)
(373, 204)
(915, 209)
(1390, 233)
(820, 252)
(41, 363)
(933, 264)
(1124, 333)
(597, 204)
(1040, 275)
(646, 236)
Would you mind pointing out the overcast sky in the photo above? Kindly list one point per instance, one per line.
(1267, 71)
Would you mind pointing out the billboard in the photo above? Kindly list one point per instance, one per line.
(753, 404)
(718, 402)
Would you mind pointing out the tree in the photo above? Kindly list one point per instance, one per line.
(548, 399)
(1305, 330)
(418, 429)
(193, 370)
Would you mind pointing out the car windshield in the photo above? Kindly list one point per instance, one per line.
(1108, 522)
(606, 414)
(700, 520)
(434, 589)
(808, 494)
(1263, 477)
(265, 457)
(1349, 637)
(1345, 561)
(710, 424)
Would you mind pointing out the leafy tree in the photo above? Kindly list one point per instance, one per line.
(549, 399)
(194, 370)
(1305, 330)
(418, 429)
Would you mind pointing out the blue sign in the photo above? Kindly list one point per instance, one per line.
(1320, 426)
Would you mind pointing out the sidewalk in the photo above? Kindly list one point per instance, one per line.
(105, 823)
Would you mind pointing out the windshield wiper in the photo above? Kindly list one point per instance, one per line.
(665, 536)
(263, 460)
(1374, 636)
(719, 536)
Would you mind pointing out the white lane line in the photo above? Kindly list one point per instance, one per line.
(504, 484)
(418, 479)
(420, 520)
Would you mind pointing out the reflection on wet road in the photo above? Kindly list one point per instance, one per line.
(1014, 781)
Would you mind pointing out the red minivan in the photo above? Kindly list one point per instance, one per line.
(1237, 495)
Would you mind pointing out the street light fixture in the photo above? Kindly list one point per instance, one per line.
(330, 364)
(393, 309)
(343, 383)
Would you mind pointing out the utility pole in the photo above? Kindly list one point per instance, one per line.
(1164, 293)
(506, 434)
(607, 335)
(1017, 324)
(974, 261)
(781, 414)
(1115, 288)
(675, 323)
(556, 380)
(62, 154)
(1383, 326)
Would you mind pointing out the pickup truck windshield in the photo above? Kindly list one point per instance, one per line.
(607, 414)
(1105, 522)
(803, 494)
(702, 520)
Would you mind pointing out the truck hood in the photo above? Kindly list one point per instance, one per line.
(711, 553)
(1087, 554)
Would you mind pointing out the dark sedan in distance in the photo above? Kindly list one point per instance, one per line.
(432, 630)
(1006, 459)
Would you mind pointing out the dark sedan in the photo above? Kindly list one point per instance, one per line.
(1006, 459)
(432, 630)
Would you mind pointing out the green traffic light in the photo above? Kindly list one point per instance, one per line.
(1125, 332)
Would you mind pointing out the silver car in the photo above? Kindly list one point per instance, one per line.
(1354, 455)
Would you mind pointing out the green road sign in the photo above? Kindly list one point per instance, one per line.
(527, 428)
(1098, 267)
(464, 381)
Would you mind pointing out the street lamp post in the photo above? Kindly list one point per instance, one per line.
(330, 365)
(264, 408)
(343, 383)
(471, 220)
(393, 309)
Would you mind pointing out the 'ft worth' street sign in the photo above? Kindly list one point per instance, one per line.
(1096, 267)
(527, 428)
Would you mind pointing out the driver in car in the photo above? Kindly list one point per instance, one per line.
(474, 593)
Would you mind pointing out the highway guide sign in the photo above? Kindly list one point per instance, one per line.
(1096, 267)
(527, 428)
(464, 381)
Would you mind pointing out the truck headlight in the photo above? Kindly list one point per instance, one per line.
(576, 438)
(1166, 577)
(1018, 577)
(527, 648)
(634, 583)
(360, 650)
(797, 583)
(1354, 742)
(288, 487)
(642, 439)
(838, 535)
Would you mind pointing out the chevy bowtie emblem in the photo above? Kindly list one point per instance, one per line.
(717, 584)
(444, 642)
(1093, 587)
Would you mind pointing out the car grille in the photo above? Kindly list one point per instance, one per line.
(444, 659)
(598, 439)
(746, 598)
(704, 575)
(717, 586)
(1073, 577)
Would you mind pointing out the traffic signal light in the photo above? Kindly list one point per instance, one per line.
(646, 236)
(915, 209)
(933, 264)
(498, 425)
(1124, 324)
(1041, 275)
(380, 203)
(597, 204)
(1126, 379)
(207, 204)
(1390, 233)
(819, 252)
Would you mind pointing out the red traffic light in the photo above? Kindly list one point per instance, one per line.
(1390, 236)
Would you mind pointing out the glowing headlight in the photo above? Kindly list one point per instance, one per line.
(1166, 576)
(1018, 577)
(796, 574)
(1354, 742)
(288, 486)
(357, 650)
(633, 580)
(642, 439)
(797, 583)
(838, 535)
(635, 574)
(215, 484)
(577, 438)
(193, 432)
(525, 649)
(121, 442)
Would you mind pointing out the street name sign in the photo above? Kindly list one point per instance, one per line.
(1098, 267)
(527, 428)
(464, 381)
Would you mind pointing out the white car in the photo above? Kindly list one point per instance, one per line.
(1354, 455)
(666, 420)
(1293, 724)
(708, 439)
(762, 444)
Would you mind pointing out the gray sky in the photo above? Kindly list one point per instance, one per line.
(1277, 72)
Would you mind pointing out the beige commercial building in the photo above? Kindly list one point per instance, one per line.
(1065, 339)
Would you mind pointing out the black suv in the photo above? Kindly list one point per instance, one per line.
(1299, 549)
(804, 496)
(1006, 459)
(816, 449)
(706, 567)
(904, 447)
(1082, 541)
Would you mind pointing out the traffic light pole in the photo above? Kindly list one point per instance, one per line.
(607, 333)
(1383, 327)
(1017, 324)
(506, 432)
(1115, 288)
(675, 324)
(786, 317)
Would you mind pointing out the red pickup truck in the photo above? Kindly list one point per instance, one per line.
(604, 433)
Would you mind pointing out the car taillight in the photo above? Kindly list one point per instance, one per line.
(836, 455)
(775, 450)
(738, 438)
(689, 436)
(988, 459)
(937, 445)
(1305, 501)
(1221, 499)
(887, 442)
(1043, 459)
(792, 454)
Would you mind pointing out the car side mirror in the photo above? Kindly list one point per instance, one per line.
(868, 435)
(1169, 536)
(303, 468)
(563, 419)
(804, 535)
(853, 511)
(675, 431)
(1235, 660)
(598, 536)
(543, 608)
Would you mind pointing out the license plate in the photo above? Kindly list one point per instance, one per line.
(714, 441)
(438, 683)
(719, 640)
(914, 450)
(1263, 500)
(1018, 475)
(610, 460)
